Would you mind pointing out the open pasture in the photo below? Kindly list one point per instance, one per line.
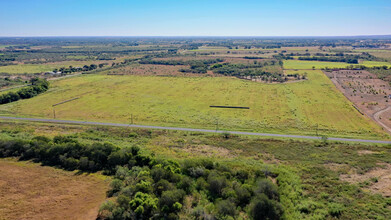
(296, 108)
(303, 64)
(39, 68)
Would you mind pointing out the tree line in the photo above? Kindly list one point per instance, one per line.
(37, 86)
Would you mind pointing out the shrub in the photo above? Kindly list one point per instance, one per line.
(169, 198)
(216, 184)
(226, 208)
(335, 209)
(266, 187)
(144, 205)
(115, 186)
(106, 209)
(161, 186)
(263, 208)
(186, 184)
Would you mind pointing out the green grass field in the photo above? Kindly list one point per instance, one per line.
(28, 68)
(303, 64)
(39, 68)
(295, 108)
(375, 63)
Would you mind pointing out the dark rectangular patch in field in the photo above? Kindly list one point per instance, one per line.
(221, 106)
(65, 101)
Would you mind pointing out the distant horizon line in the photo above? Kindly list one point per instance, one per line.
(200, 36)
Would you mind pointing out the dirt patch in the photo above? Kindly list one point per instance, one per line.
(365, 152)
(209, 151)
(31, 191)
(337, 167)
(378, 179)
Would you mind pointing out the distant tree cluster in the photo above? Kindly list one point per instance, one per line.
(85, 68)
(337, 57)
(252, 70)
(331, 59)
(181, 62)
(196, 66)
(146, 187)
(37, 86)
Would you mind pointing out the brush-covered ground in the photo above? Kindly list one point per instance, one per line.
(315, 180)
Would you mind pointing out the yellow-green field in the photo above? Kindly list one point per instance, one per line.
(39, 68)
(303, 64)
(375, 63)
(295, 108)
(29, 68)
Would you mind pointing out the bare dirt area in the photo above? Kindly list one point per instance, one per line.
(378, 180)
(31, 191)
(370, 95)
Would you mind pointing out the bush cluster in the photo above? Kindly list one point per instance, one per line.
(37, 86)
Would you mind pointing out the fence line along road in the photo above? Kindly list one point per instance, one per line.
(190, 129)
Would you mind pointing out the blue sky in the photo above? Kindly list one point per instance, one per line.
(194, 17)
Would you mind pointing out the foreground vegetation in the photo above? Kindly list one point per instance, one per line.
(302, 175)
(149, 187)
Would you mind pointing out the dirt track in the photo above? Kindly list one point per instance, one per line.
(370, 95)
(377, 118)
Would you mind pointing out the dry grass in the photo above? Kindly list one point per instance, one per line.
(30, 191)
(378, 179)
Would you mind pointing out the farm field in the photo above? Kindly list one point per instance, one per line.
(29, 68)
(294, 108)
(303, 64)
(39, 68)
(369, 93)
(375, 63)
(31, 191)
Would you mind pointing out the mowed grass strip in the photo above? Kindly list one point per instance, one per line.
(292, 108)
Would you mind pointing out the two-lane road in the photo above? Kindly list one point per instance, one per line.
(189, 129)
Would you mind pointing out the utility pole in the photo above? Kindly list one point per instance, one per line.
(54, 113)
